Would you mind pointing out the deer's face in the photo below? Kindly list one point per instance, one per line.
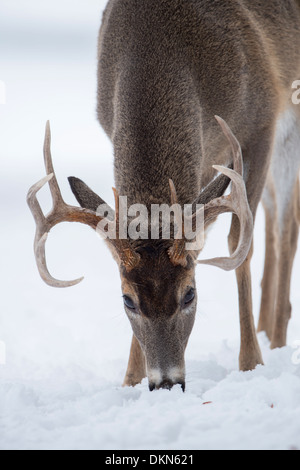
(160, 301)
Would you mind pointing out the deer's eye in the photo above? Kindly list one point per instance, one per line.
(128, 302)
(189, 297)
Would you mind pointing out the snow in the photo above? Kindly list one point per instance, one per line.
(66, 351)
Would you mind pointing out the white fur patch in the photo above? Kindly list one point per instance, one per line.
(285, 162)
(176, 374)
(155, 376)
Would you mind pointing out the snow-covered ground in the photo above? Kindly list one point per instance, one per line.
(67, 350)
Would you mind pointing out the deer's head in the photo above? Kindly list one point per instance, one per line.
(158, 276)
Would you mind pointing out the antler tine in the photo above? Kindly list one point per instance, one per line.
(122, 246)
(53, 184)
(238, 165)
(174, 199)
(177, 213)
(177, 251)
(43, 270)
(117, 212)
(32, 199)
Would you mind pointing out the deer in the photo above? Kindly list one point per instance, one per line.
(196, 97)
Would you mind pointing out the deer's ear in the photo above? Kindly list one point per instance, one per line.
(215, 189)
(84, 195)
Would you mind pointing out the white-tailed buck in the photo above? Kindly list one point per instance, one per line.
(166, 69)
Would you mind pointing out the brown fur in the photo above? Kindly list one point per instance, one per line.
(166, 68)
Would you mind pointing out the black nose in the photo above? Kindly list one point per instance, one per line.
(166, 384)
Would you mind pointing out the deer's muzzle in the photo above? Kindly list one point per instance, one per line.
(159, 380)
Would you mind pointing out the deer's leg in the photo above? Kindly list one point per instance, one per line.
(285, 174)
(269, 282)
(136, 370)
(250, 354)
(284, 183)
(288, 237)
(257, 162)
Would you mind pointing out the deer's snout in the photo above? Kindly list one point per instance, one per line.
(166, 384)
(159, 381)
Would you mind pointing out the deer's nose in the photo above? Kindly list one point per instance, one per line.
(166, 384)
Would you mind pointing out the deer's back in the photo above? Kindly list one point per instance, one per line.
(167, 67)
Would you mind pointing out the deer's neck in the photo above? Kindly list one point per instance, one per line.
(158, 137)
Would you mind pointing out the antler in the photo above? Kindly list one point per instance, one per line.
(62, 212)
(236, 202)
(177, 252)
(128, 257)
